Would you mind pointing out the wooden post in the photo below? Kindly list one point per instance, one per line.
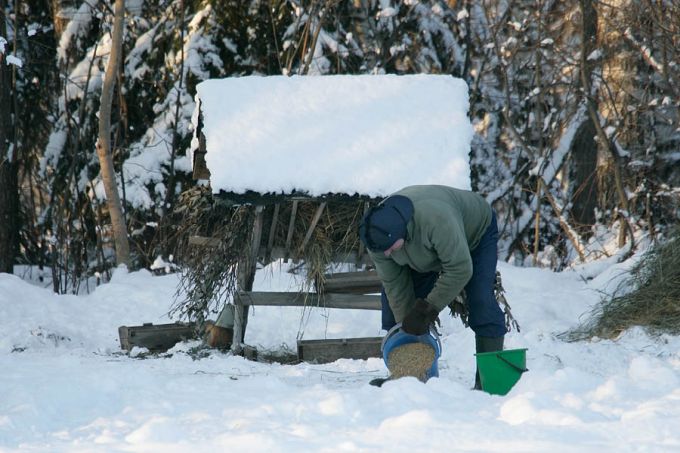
(246, 274)
(360, 254)
(291, 228)
(272, 231)
(312, 226)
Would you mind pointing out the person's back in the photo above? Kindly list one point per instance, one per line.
(430, 201)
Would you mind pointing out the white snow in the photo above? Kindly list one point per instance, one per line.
(12, 60)
(595, 55)
(387, 12)
(79, 23)
(368, 134)
(65, 385)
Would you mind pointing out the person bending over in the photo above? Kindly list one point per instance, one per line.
(428, 243)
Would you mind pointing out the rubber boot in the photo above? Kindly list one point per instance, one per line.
(486, 344)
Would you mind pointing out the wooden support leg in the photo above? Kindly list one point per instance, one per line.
(240, 321)
(246, 271)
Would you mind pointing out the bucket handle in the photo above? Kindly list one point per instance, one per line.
(512, 365)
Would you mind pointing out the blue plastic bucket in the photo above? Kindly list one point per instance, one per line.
(396, 337)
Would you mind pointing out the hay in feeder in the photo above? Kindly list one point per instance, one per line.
(209, 275)
(322, 230)
(654, 303)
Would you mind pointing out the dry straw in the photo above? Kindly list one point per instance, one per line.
(654, 304)
(210, 274)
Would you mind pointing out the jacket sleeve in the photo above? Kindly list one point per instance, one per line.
(447, 237)
(397, 282)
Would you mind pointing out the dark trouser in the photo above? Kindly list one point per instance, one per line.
(485, 316)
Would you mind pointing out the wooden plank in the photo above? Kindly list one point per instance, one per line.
(353, 282)
(255, 242)
(291, 299)
(272, 231)
(291, 228)
(361, 275)
(325, 351)
(312, 226)
(349, 257)
(156, 338)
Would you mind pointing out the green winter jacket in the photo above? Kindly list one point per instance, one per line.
(447, 224)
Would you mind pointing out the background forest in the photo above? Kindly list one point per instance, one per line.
(575, 104)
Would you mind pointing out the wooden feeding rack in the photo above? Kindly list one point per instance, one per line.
(276, 235)
(338, 127)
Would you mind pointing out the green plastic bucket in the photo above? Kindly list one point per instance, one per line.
(499, 371)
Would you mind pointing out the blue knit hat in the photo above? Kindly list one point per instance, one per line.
(386, 223)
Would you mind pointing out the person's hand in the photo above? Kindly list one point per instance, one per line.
(418, 320)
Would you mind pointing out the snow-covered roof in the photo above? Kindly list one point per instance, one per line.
(352, 134)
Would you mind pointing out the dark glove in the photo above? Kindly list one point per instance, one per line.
(418, 320)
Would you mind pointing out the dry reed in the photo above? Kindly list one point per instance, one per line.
(653, 304)
(210, 274)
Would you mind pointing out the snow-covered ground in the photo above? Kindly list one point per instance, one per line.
(65, 385)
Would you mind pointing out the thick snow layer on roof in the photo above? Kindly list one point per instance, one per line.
(367, 134)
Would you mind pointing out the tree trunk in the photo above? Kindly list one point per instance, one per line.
(9, 186)
(589, 37)
(538, 129)
(108, 173)
(583, 176)
(63, 11)
(170, 191)
(364, 27)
